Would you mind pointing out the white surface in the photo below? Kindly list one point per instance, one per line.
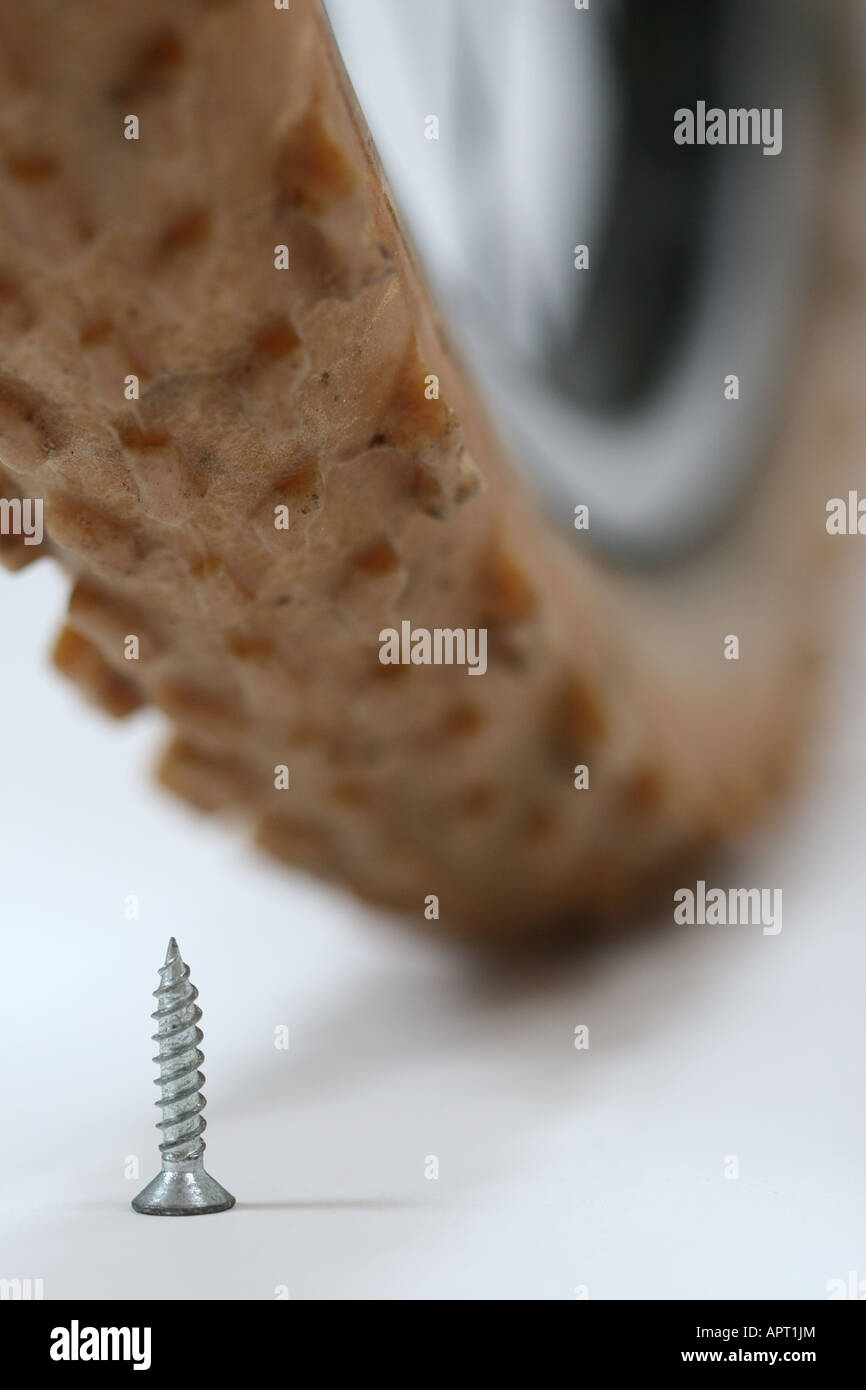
(558, 1168)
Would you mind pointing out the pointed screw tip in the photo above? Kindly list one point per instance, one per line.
(173, 952)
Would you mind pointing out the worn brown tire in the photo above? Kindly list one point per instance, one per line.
(260, 387)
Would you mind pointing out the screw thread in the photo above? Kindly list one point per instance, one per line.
(179, 1058)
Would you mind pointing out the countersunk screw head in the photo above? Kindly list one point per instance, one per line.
(182, 1188)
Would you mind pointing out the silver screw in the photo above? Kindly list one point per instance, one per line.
(182, 1188)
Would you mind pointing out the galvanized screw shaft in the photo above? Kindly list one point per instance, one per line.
(182, 1188)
